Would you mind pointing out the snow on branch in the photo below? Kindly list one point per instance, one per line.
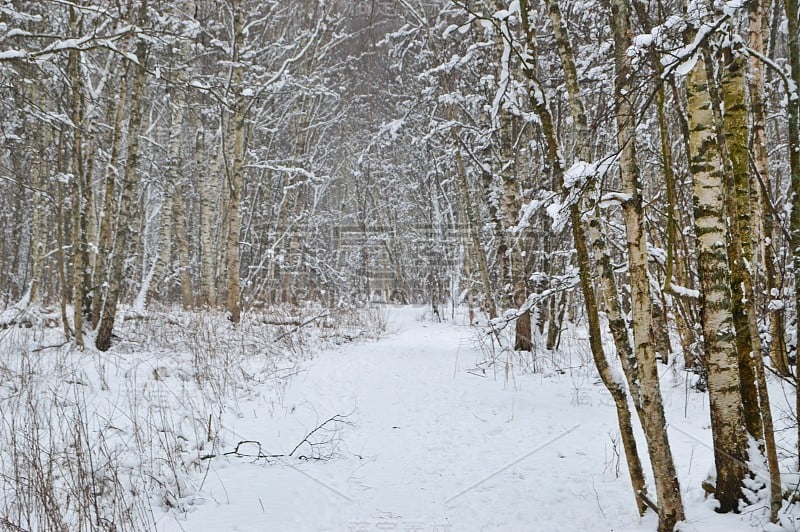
(613, 199)
(681, 61)
(682, 291)
(296, 170)
(85, 43)
(576, 179)
(560, 283)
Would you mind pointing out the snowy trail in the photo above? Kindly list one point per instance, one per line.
(431, 447)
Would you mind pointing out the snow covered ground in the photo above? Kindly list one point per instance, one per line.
(422, 439)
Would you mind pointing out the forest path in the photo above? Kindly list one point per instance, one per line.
(429, 446)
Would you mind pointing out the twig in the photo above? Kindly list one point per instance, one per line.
(260, 454)
(45, 347)
(5, 523)
(335, 418)
(782, 377)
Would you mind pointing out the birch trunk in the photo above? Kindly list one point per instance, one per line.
(737, 143)
(208, 202)
(236, 174)
(730, 156)
(732, 142)
(735, 124)
(182, 248)
(793, 102)
(38, 232)
(177, 109)
(760, 183)
(777, 328)
(761, 167)
(615, 388)
(125, 233)
(76, 182)
(727, 421)
(106, 234)
(477, 248)
(61, 239)
(654, 423)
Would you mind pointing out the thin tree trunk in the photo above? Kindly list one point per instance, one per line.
(777, 345)
(177, 107)
(182, 249)
(61, 241)
(670, 503)
(557, 311)
(236, 174)
(38, 233)
(793, 102)
(473, 225)
(125, 232)
(208, 201)
(615, 388)
(76, 185)
(105, 239)
(675, 266)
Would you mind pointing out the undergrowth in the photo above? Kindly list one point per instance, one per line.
(117, 440)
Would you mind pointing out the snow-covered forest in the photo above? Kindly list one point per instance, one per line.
(399, 265)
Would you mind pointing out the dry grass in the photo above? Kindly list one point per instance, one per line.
(115, 441)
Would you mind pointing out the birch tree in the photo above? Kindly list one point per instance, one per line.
(721, 358)
(654, 422)
(126, 229)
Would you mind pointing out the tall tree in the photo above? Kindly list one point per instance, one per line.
(721, 358)
(125, 222)
(670, 504)
(579, 234)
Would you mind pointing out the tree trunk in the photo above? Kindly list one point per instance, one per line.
(670, 504)
(208, 202)
(727, 422)
(731, 136)
(777, 345)
(182, 249)
(177, 110)
(38, 233)
(76, 185)
(105, 237)
(477, 248)
(615, 388)
(61, 241)
(737, 138)
(124, 233)
(236, 173)
(793, 102)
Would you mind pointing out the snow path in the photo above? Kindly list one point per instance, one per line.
(431, 447)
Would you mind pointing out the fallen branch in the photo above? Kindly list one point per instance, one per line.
(283, 335)
(313, 445)
(647, 500)
(45, 347)
(257, 456)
